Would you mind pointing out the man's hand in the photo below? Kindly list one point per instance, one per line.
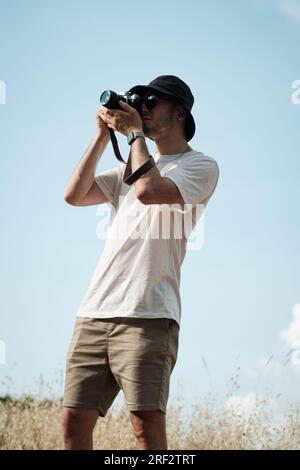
(102, 126)
(123, 121)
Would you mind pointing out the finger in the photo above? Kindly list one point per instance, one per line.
(106, 112)
(106, 119)
(120, 114)
(125, 106)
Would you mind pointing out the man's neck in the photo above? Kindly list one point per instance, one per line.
(171, 146)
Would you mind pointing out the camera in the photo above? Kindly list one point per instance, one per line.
(110, 99)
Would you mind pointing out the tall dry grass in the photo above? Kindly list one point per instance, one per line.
(27, 423)
(212, 424)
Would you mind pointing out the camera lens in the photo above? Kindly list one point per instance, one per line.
(105, 97)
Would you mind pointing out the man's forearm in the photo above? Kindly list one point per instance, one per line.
(83, 176)
(139, 156)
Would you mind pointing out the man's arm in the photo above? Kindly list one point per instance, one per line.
(82, 190)
(191, 182)
(151, 187)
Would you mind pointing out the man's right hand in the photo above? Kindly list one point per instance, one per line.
(82, 189)
(102, 126)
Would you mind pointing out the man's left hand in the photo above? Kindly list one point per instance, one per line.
(122, 120)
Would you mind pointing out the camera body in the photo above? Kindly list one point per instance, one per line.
(110, 99)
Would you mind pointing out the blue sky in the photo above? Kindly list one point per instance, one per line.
(240, 59)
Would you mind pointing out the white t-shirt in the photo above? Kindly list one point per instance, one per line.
(138, 273)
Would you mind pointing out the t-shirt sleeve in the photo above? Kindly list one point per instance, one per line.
(108, 182)
(196, 178)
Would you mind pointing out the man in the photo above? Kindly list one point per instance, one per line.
(126, 333)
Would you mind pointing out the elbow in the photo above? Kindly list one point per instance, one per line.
(70, 200)
(143, 196)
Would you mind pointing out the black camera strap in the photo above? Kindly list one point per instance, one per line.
(129, 177)
(115, 145)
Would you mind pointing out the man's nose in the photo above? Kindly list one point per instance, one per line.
(144, 107)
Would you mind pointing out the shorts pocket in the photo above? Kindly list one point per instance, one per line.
(76, 331)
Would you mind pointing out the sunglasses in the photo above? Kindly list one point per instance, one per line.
(152, 100)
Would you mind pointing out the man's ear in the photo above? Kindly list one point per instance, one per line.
(182, 112)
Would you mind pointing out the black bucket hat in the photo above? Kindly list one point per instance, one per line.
(175, 87)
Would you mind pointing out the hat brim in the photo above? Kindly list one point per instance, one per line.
(190, 126)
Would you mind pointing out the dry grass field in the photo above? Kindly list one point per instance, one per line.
(27, 423)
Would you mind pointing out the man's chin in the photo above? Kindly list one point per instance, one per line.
(147, 131)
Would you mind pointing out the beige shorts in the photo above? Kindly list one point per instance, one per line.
(135, 355)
